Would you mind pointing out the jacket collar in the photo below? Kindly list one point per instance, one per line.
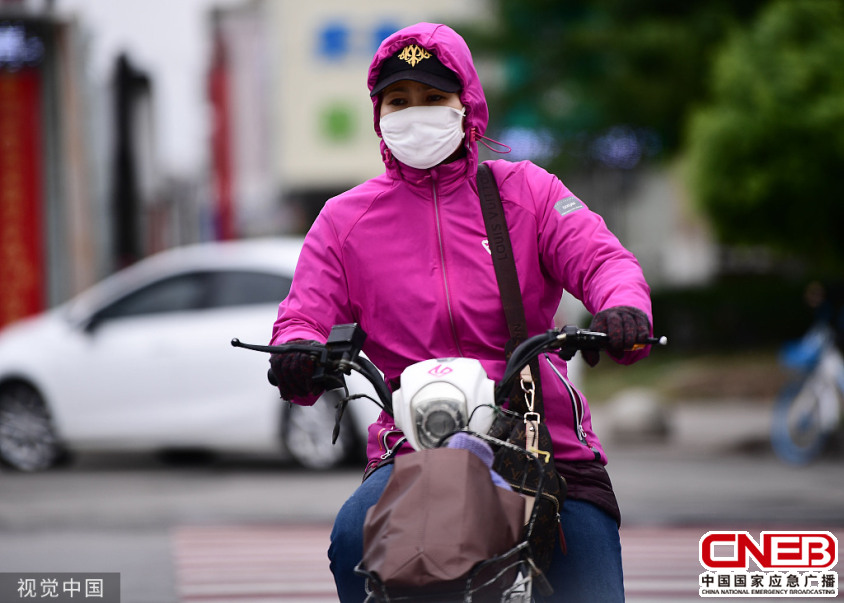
(446, 176)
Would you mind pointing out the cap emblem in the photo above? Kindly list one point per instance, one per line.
(414, 54)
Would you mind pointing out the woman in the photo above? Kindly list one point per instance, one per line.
(405, 255)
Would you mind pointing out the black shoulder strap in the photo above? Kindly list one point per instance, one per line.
(505, 267)
(502, 254)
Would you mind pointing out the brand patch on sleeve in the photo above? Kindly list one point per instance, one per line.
(568, 205)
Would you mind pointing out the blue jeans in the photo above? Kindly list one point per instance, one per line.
(589, 571)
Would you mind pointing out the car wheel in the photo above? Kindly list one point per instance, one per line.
(307, 432)
(28, 440)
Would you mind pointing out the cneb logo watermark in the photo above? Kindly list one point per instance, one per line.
(773, 551)
(785, 564)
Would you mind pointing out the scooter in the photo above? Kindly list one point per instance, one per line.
(437, 400)
(808, 410)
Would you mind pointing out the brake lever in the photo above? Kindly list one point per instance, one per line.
(327, 372)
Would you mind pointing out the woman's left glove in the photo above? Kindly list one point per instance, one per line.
(625, 325)
(293, 374)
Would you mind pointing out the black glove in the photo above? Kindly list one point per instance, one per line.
(625, 325)
(293, 373)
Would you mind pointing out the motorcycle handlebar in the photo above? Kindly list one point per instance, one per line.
(333, 357)
(566, 341)
(341, 354)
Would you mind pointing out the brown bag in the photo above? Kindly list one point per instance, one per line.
(523, 476)
(439, 516)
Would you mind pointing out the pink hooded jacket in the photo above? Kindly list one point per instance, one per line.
(406, 255)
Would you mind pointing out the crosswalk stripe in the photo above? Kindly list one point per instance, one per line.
(253, 564)
(660, 565)
(281, 563)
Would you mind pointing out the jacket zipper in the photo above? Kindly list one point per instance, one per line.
(386, 450)
(576, 404)
(442, 266)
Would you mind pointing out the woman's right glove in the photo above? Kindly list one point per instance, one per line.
(293, 372)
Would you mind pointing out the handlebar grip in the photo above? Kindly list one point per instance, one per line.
(663, 340)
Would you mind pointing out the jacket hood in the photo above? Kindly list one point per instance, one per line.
(452, 51)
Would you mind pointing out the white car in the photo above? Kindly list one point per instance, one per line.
(142, 361)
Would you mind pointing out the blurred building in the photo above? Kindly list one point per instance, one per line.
(82, 191)
(293, 126)
(292, 116)
(47, 243)
(79, 184)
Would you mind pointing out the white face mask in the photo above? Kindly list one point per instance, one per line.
(422, 137)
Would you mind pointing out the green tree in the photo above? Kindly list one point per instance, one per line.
(577, 68)
(765, 155)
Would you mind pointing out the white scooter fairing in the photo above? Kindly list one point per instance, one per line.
(440, 396)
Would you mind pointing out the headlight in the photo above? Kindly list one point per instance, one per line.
(438, 410)
(439, 397)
